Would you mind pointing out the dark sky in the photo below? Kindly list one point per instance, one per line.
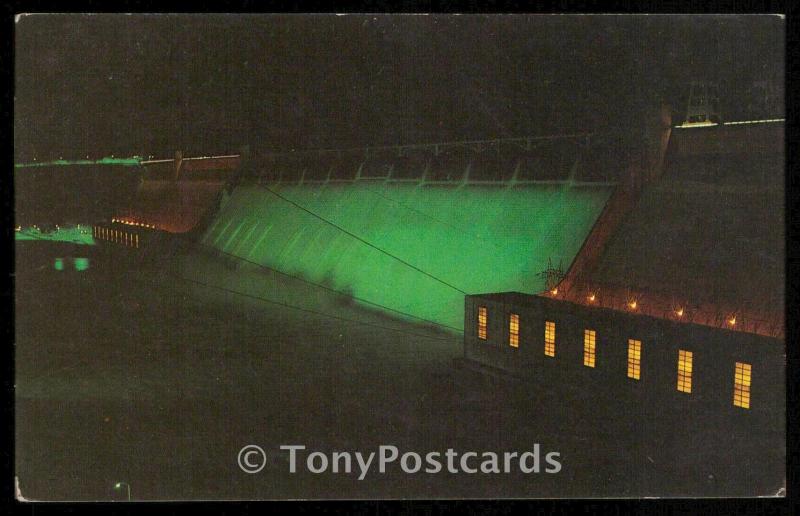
(151, 84)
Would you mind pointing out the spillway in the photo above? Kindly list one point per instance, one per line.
(409, 248)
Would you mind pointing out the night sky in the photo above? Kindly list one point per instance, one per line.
(151, 84)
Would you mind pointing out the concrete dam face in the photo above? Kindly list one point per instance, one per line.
(411, 250)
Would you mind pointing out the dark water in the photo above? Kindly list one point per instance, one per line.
(126, 374)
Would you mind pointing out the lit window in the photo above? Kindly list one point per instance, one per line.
(741, 385)
(684, 371)
(550, 339)
(588, 348)
(482, 318)
(634, 358)
(513, 331)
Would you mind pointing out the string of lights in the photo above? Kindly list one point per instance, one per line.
(657, 306)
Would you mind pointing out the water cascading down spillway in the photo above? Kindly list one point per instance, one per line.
(409, 248)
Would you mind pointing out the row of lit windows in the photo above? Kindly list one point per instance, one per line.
(742, 374)
(117, 236)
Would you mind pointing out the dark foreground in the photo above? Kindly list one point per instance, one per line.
(127, 373)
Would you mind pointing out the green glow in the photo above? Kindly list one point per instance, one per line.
(63, 162)
(479, 239)
(58, 264)
(81, 264)
(73, 234)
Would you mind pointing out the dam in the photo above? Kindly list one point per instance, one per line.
(311, 287)
(409, 235)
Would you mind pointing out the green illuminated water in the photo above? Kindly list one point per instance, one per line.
(81, 264)
(72, 234)
(478, 239)
(64, 162)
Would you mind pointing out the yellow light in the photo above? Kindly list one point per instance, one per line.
(513, 331)
(482, 322)
(679, 312)
(633, 304)
(634, 359)
(591, 298)
(554, 291)
(550, 338)
(732, 321)
(589, 341)
(684, 371)
(741, 385)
